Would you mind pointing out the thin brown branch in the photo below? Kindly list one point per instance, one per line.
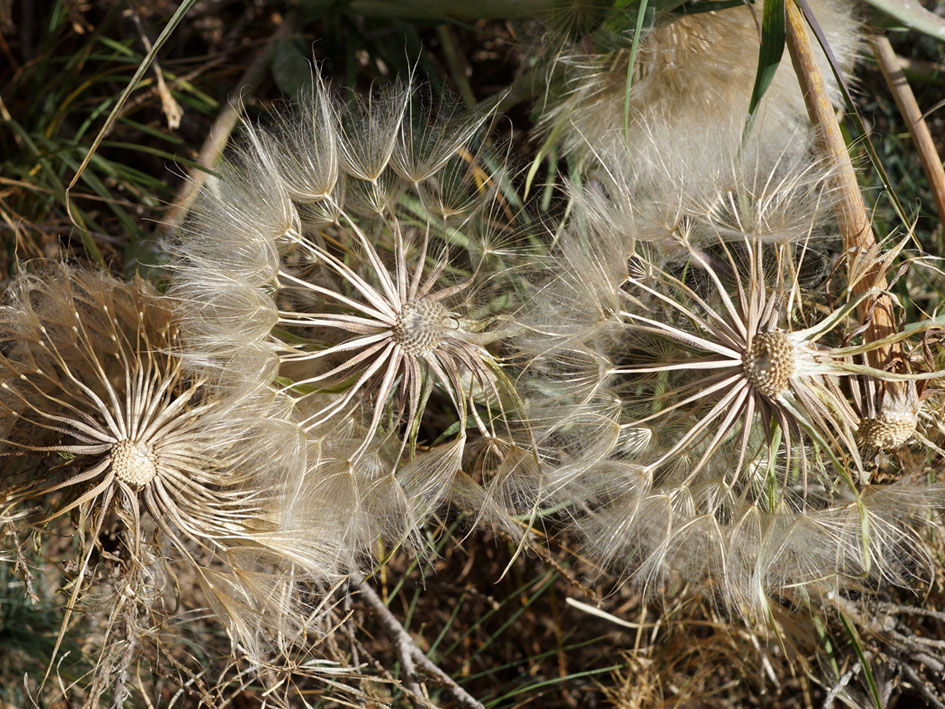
(920, 685)
(840, 685)
(172, 110)
(411, 655)
(922, 71)
(909, 108)
(852, 216)
(223, 126)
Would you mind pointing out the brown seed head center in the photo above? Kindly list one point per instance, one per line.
(421, 327)
(769, 362)
(133, 463)
(888, 431)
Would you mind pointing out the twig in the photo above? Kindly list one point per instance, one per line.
(921, 71)
(912, 647)
(920, 686)
(852, 217)
(911, 610)
(407, 649)
(909, 108)
(841, 683)
(172, 110)
(223, 126)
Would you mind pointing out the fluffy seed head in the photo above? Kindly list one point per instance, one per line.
(95, 397)
(375, 292)
(769, 362)
(742, 473)
(692, 72)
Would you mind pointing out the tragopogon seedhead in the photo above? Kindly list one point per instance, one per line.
(95, 401)
(351, 252)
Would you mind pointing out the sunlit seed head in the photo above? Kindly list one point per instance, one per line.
(421, 326)
(769, 362)
(887, 431)
(133, 463)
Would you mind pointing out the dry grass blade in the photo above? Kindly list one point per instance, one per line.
(222, 129)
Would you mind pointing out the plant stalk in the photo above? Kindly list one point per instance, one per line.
(909, 108)
(865, 268)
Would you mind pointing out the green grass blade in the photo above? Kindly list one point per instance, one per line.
(552, 681)
(635, 45)
(864, 661)
(125, 95)
(769, 55)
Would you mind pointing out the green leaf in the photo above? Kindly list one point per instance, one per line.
(913, 16)
(641, 14)
(769, 54)
(864, 660)
(290, 67)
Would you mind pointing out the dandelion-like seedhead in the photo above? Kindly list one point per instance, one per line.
(353, 251)
(100, 418)
(703, 423)
(711, 188)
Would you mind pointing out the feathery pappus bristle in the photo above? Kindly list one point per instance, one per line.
(96, 404)
(371, 240)
(693, 74)
(724, 439)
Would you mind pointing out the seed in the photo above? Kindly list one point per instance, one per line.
(133, 463)
(769, 362)
(421, 327)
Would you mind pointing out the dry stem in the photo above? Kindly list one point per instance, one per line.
(852, 217)
(909, 108)
(410, 655)
(223, 126)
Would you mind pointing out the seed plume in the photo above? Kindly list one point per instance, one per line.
(93, 393)
(366, 281)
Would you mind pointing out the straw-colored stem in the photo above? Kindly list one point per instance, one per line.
(909, 108)
(852, 217)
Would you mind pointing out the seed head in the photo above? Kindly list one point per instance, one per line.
(421, 326)
(889, 412)
(370, 290)
(133, 463)
(693, 73)
(89, 373)
(769, 362)
(888, 431)
(744, 463)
